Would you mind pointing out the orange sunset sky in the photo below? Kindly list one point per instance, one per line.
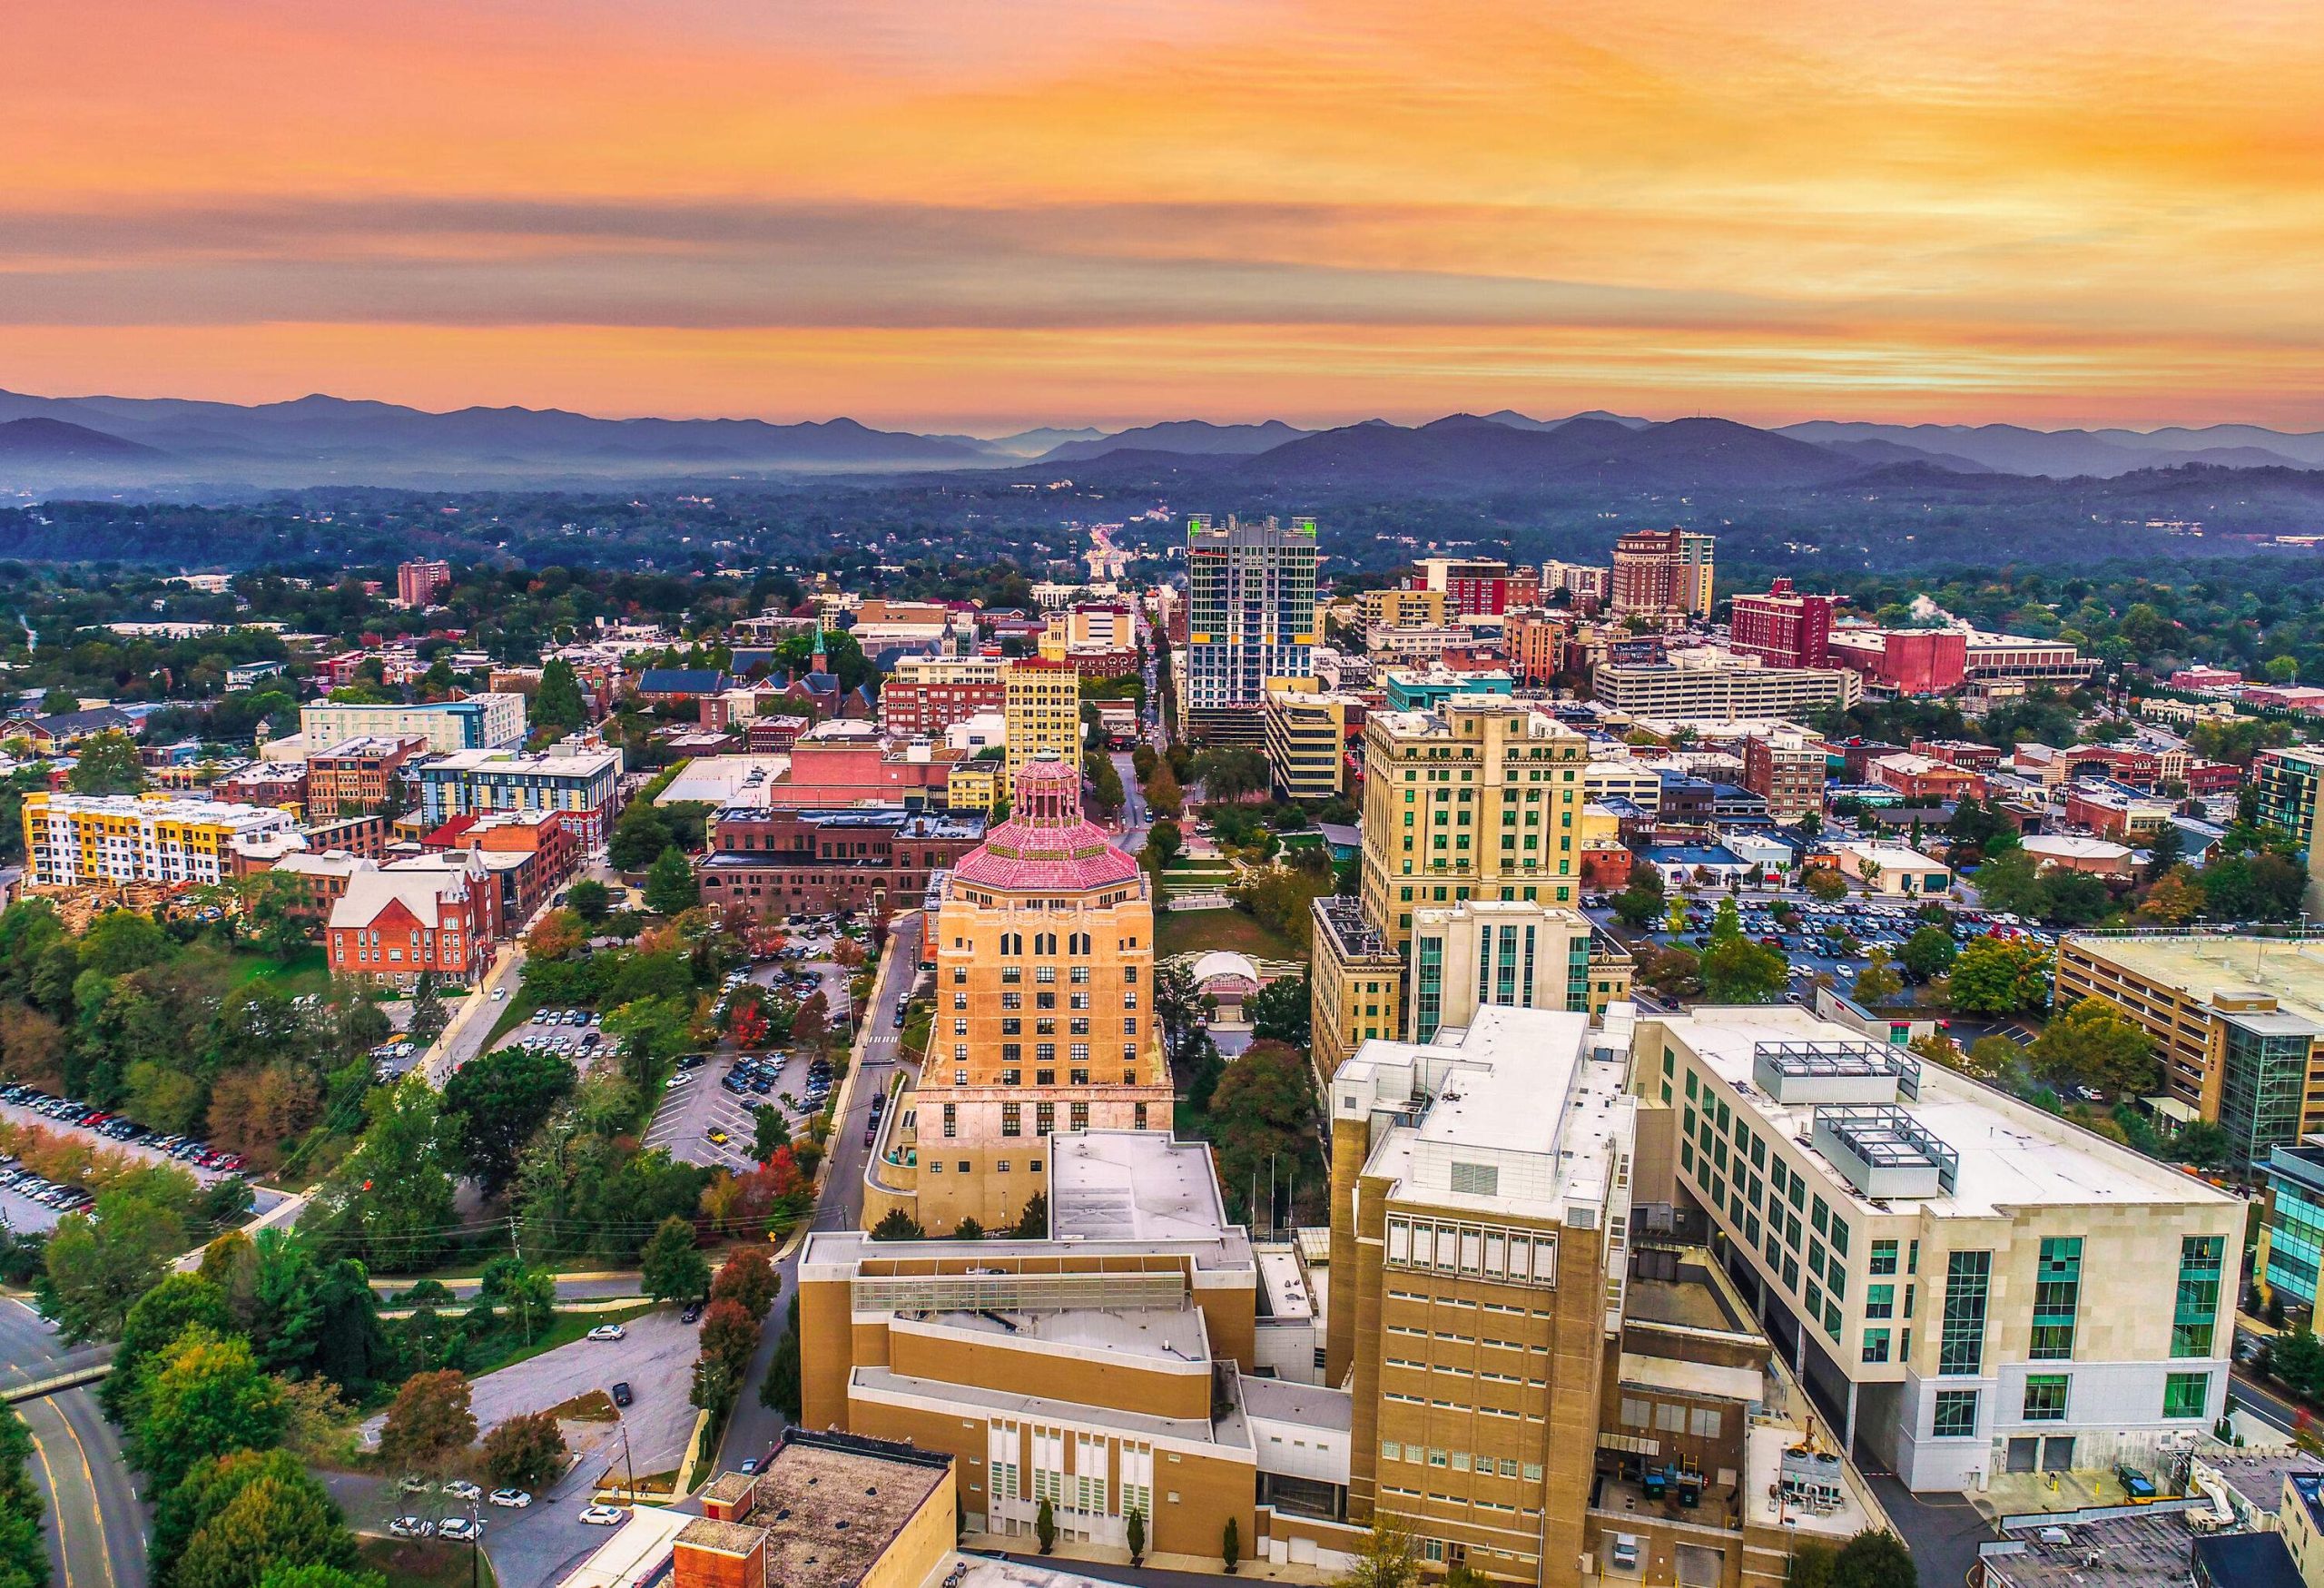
(952, 215)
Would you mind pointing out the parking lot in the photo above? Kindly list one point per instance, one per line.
(574, 1033)
(1816, 941)
(31, 1203)
(700, 1107)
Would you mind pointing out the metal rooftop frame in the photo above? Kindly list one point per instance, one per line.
(1883, 1137)
(994, 1291)
(1834, 1059)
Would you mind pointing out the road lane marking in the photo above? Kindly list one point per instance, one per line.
(104, 1545)
(55, 1504)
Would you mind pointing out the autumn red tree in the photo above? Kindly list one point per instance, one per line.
(746, 1278)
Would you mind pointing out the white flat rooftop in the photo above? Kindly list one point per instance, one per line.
(1174, 1336)
(1231, 1432)
(1132, 1186)
(2012, 1154)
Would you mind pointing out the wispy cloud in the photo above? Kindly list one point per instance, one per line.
(1041, 207)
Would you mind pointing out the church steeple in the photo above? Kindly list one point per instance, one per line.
(819, 662)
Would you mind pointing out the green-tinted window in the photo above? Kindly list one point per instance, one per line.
(1839, 1238)
(1884, 1256)
(1832, 1319)
(2184, 1394)
(1880, 1301)
(1956, 1414)
(1798, 1192)
(2057, 1291)
(1821, 1217)
(2045, 1397)
(1875, 1344)
(2198, 1309)
(1961, 1347)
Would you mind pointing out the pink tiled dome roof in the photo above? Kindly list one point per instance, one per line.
(1047, 844)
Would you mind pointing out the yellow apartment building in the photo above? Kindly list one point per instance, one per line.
(74, 839)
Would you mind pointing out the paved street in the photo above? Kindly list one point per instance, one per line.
(95, 1524)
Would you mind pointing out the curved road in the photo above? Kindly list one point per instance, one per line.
(95, 1524)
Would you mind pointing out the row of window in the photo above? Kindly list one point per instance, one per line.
(1520, 1257)
(2047, 1397)
(1461, 1460)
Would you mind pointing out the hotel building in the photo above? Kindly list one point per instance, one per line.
(1041, 704)
(1967, 1284)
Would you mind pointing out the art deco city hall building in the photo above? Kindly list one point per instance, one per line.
(1044, 951)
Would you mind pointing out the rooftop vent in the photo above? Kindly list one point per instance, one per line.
(1842, 1072)
(1885, 1152)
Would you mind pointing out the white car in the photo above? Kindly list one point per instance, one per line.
(603, 1515)
(609, 1332)
(515, 1499)
(460, 1528)
(410, 1527)
(461, 1489)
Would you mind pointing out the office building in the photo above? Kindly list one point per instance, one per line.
(2288, 782)
(1044, 1021)
(581, 780)
(1967, 1284)
(480, 722)
(1307, 741)
(2236, 1023)
(1250, 618)
(1480, 1204)
(1783, 628)
(1936, 661)
(1041, 703)
(1708, 685)
(2292, 1239)
(1507, 954)
(1355, 982)
(782, 860)
(1479, 800)
(1663, 574)
(1787, 771)
(1423, 609)
(927, 694)
(417, 584)
(1537, 648)
(73, 840)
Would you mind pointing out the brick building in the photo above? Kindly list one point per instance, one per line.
(394, 924)
(783, 860)
(1783, 628)
(359, 776)
(927, 694)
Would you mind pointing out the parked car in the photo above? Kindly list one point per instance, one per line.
(692, 1314)
(411, 1527)
(515, 1499)
(603, 1515)
(461, 1489)
(460, 1528)
(622, 1395)
(609, 1332)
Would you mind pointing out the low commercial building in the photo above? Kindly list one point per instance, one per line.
(75, 839)
(1404, 608)
(1967, 1284)
(1428, 688)
(2115, 810)
(1892, 869)
(2065, 852)
(1924, 780)
(875, 859)
(264, 782)
(2237, 1023)
(529, 854)
(1789, 773)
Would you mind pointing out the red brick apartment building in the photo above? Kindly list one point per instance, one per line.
(1783, 628)
(358, 776)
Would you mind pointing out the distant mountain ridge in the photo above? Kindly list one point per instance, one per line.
(65, 443)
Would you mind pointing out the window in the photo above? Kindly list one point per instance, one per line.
(2184, 1394)
(2045, 1397)
(1961, 1347)
(1880, 1301)
(2057, 1288)
(1875, 1344)
(1012, 1119)
(1956, 1415)
(2198, 1307)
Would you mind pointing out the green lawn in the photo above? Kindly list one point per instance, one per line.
(1180, 931)
(424, 1563)
(304, 971)
(519, 1010)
